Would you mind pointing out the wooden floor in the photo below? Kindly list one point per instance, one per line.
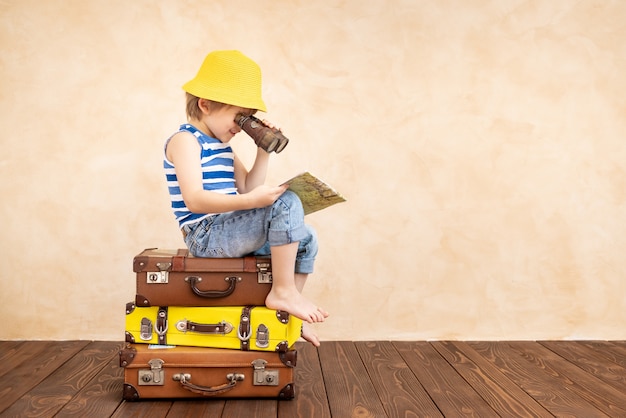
(342, 380)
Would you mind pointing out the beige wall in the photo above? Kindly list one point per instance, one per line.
(481, 145)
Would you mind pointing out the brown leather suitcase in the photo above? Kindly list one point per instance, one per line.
(175, 278)
(152, 372)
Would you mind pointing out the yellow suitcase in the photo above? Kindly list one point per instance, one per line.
(255, 328)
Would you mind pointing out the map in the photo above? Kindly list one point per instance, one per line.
(313, 192)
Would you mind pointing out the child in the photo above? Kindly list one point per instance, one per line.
(223, 209)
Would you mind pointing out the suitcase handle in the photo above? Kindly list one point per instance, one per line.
(213, 294)
(219, 328)
(232, 378)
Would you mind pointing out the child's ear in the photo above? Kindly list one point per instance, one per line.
(204, 106)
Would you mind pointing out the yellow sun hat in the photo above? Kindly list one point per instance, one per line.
(228, 77)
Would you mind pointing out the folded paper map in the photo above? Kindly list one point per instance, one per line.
(313, 192)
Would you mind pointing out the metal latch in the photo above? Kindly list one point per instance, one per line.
(262, 336)
(145, 332)
(161, 276)
(264, 377)
(154, 376)
(264, 275)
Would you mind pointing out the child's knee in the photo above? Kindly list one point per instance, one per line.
(291, 201)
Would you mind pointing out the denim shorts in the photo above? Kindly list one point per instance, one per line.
(253, 232)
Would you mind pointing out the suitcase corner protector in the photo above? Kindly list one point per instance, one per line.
(289, 358)
(130, 393)
(139, 262)
(141, 300)
(288, 391)
(127, 355)
(129, 337)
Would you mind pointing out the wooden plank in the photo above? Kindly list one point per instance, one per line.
(310, 400)
(194, 408)
(522, 364)
(50, 355)
(247, 408)
(611, 350)
(590, 361)
(57, 389)
(100, 397)
(452, 395)
(8, 351)
(350, 392)
(143, 409)
(401, 393)
(601, 382)
(506, 398)
(19, 353)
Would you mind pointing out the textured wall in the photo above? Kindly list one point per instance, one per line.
(480, 144)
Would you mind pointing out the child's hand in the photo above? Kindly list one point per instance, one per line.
(271, 125)
(263, 195)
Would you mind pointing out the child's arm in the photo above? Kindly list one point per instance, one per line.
(249, 180)
(183, 151)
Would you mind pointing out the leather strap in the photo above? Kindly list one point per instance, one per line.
(250, 264)
(160, 326)
(244, 331)
(178, 261)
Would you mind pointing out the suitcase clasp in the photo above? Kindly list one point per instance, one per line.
(161, 276)
(154, 376)
(262, 336)
(145, 332)
(264, 274)
(263, 377)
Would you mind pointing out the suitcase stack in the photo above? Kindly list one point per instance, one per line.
(198, 327)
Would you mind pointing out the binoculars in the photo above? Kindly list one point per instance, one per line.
(269, 139)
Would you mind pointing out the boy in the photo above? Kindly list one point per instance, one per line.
(223, 209)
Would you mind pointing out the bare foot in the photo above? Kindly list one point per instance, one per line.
(296, 304)
(308, 333)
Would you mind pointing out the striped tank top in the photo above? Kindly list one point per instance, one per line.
(218, 174)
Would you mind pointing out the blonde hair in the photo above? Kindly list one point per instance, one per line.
(194, 112)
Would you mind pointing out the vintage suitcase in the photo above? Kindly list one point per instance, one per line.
(191, 372)
(175, 278)
(237, 327)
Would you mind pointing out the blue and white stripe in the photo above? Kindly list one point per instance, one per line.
(218, 174)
